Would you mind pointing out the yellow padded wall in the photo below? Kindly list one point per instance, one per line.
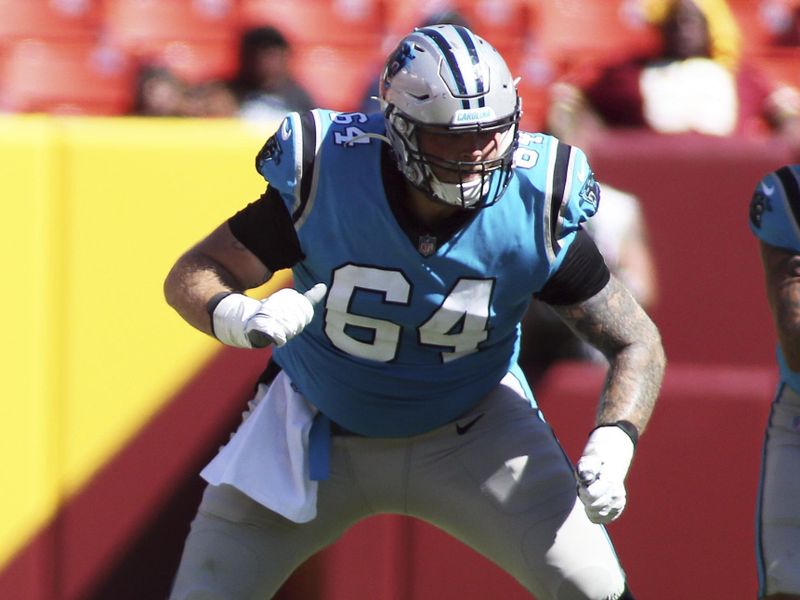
(96, 211)
(141, 191)
(31, 334)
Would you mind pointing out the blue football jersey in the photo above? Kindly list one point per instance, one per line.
(775, 219)
(413, 335)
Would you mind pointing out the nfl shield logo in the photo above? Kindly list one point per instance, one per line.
(426, 245)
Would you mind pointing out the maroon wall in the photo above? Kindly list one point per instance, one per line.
(695, 193)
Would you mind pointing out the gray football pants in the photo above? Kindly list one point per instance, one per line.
(503, 487)
(778, 509)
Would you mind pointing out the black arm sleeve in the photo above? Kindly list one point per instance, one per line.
(582, 274)
(265, 228)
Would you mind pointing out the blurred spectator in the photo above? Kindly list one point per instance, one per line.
(782, 19)
(369, 101)
(697, 83)
(159, 93)
(264, 87)
(211, 99)
(620, 232)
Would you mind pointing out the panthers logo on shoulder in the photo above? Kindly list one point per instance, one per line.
(758, 205)
(271, 151)
(590, 191)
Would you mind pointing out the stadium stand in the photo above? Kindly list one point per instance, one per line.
(195, 61)
(346, 23)
(546, 39)
(66, 78)
(335, 75)
(45, 19)
(763, 21)
(506, 24)
(198, 40)
(573, 31)
(781, 64)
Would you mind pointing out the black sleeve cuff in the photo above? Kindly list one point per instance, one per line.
(582, 274)
(265, 228)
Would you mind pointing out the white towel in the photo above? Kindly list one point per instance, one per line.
(267, 457)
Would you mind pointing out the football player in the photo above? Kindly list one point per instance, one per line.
(775, 220)
(416, 238)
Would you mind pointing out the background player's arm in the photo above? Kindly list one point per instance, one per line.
(636, 264)
(615, 324)
(218, 263)
(782, 274)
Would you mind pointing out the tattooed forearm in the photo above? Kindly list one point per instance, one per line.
(616, 325)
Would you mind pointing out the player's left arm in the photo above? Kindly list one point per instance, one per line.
(613, 322)
(616, 324)
(595, 304)
(602, 311)
(782, 274)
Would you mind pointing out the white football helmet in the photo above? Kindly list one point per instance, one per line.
(446, 79)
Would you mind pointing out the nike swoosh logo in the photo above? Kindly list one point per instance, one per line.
(462, 429)
(768, 189)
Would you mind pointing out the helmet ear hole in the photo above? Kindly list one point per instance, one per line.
(447, 78)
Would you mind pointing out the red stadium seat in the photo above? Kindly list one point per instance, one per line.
(195, 62)
(66, 78)
(506, 24)
(335, 76)
(143, 27)
(537, 74)
(319, 22)
(48, 19)
(761, 21)
(402, 17)
(781, 65)
(599, 31)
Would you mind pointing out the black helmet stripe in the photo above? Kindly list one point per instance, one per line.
(791, 188)
(452, 62)
(473, 53)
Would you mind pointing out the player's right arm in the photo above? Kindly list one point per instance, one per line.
(217, 264)
(782, 274)
(206, 285)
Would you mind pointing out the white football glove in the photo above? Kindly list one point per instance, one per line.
(245, 322)
(601, 472)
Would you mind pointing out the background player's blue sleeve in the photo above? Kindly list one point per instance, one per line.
(775, 208)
